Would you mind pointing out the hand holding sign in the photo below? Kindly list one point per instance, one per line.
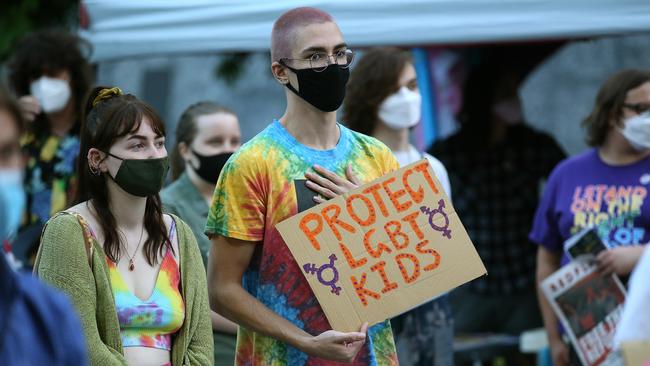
(382, 248)
(337, 346)
(619, 260)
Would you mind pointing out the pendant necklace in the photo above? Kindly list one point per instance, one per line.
(131, 265)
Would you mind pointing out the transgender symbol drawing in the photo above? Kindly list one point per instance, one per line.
(311, 268)
(444, 229)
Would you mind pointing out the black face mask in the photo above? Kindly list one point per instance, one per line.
(141, 177)
(324, 90)
(210, 165)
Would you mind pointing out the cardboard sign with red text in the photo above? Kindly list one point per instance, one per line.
(636, 353)
(383, 248)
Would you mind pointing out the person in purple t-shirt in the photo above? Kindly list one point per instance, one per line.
(606, 187)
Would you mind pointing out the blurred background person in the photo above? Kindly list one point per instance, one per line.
(497, 165)
(49, 72)
(383, 101)
(206, 136)
(117, 255)
(37, 326)
(605, 186)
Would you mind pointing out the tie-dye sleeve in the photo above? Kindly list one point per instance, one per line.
(238, 208)
(390, 163)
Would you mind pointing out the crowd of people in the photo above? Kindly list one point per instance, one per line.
(128, 271)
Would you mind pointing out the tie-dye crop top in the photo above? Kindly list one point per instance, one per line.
(150, 322)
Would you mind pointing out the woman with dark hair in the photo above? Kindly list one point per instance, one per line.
(605, 187)
(383, 101)
(134, 274)
(206, 136)
(50, 73)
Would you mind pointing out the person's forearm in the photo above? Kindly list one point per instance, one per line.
(238, 305)
(221, 324)
(545, 267)
(636, 253)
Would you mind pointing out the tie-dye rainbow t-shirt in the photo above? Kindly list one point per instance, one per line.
(255, 192)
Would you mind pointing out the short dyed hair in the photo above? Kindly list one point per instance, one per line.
(283, 33)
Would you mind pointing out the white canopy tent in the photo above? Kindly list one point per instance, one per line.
(122, 28)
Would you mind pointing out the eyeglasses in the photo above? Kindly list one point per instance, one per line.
(319, 61)
(637, 108)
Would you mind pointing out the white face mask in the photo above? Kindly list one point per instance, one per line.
(52, 94)
(637, 131)
(402, 109)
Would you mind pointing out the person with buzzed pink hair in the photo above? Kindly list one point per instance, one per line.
(253, 278)
(283, 30)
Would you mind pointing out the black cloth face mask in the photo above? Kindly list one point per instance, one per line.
(324, 90)
(210, 165)
(141, 177)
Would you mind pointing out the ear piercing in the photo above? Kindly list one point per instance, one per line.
(93, 170)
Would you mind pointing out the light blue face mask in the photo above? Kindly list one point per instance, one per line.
(12, 201)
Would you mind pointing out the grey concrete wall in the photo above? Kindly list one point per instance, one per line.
(256, 97)
(556, 96)
(562, 90)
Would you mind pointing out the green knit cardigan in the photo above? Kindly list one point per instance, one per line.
(62, 261)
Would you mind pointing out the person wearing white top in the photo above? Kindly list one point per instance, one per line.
(411, 155)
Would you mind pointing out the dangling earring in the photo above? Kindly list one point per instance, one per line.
(93, 170)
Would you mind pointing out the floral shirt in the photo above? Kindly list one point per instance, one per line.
(50, 177)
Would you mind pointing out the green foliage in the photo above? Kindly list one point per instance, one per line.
(232, 67)
(19, 17)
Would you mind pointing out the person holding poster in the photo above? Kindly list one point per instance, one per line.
(383, 101)
(605, 187)
(253, 278)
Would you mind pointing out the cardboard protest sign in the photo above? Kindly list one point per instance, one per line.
(383, 248)
(636, 353)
